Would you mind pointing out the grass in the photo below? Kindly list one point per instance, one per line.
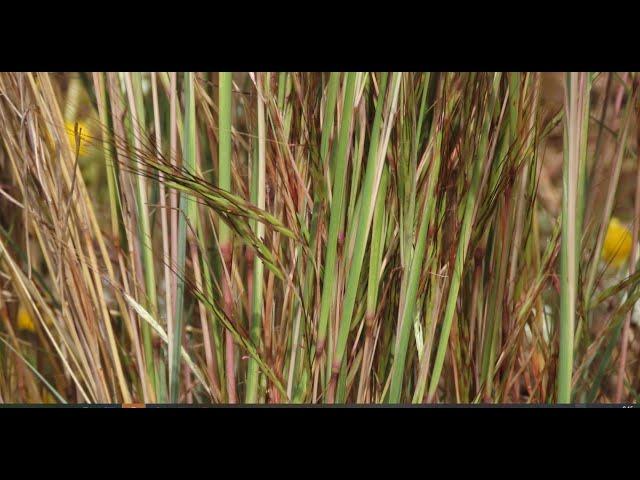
(577, 91)
(354, 237)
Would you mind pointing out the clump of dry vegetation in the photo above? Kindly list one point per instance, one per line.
(318, 238)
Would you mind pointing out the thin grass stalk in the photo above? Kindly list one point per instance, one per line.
(173, 194)
(185, 221)
(224, 235)
(166, 247)
(327, 126)
(283, 80)
(258, 195)
(101, 94)
(576, 96)
(144, 232)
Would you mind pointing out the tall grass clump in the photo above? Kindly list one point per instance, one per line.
(358, 237)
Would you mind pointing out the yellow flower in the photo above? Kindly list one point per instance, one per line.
(617, 243)
(25, 322)
(85, 136)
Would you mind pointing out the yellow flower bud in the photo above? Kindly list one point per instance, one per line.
(617, 243)
(25, 322)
